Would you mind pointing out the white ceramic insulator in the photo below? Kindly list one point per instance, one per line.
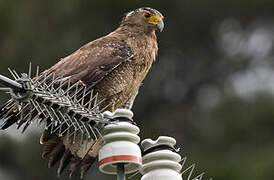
(120, 144)
(161, 164)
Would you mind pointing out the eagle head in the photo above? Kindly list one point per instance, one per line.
(145, 17)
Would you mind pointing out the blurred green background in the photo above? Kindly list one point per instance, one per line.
(212, 86)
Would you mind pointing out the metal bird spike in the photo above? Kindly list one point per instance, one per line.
(67, 109)
(188, 172)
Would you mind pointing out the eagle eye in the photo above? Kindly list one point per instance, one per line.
(147, 15)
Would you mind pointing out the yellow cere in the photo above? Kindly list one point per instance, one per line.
(154, 19)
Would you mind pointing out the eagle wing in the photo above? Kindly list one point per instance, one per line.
(92, 62)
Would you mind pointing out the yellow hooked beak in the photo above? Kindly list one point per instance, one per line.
(157, 21)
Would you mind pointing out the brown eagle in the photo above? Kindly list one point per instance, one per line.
(114, 66)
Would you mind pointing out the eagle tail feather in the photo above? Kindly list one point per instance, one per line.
(87, 163)
(73, 166)
(64, 162)
(56, 154)
(8, 114)
(56, 150)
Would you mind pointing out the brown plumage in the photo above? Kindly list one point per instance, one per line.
(114, 66)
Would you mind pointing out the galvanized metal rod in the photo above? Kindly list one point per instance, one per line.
(10, 83)
(121, 171)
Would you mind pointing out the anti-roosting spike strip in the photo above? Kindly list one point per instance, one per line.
(66, 108)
